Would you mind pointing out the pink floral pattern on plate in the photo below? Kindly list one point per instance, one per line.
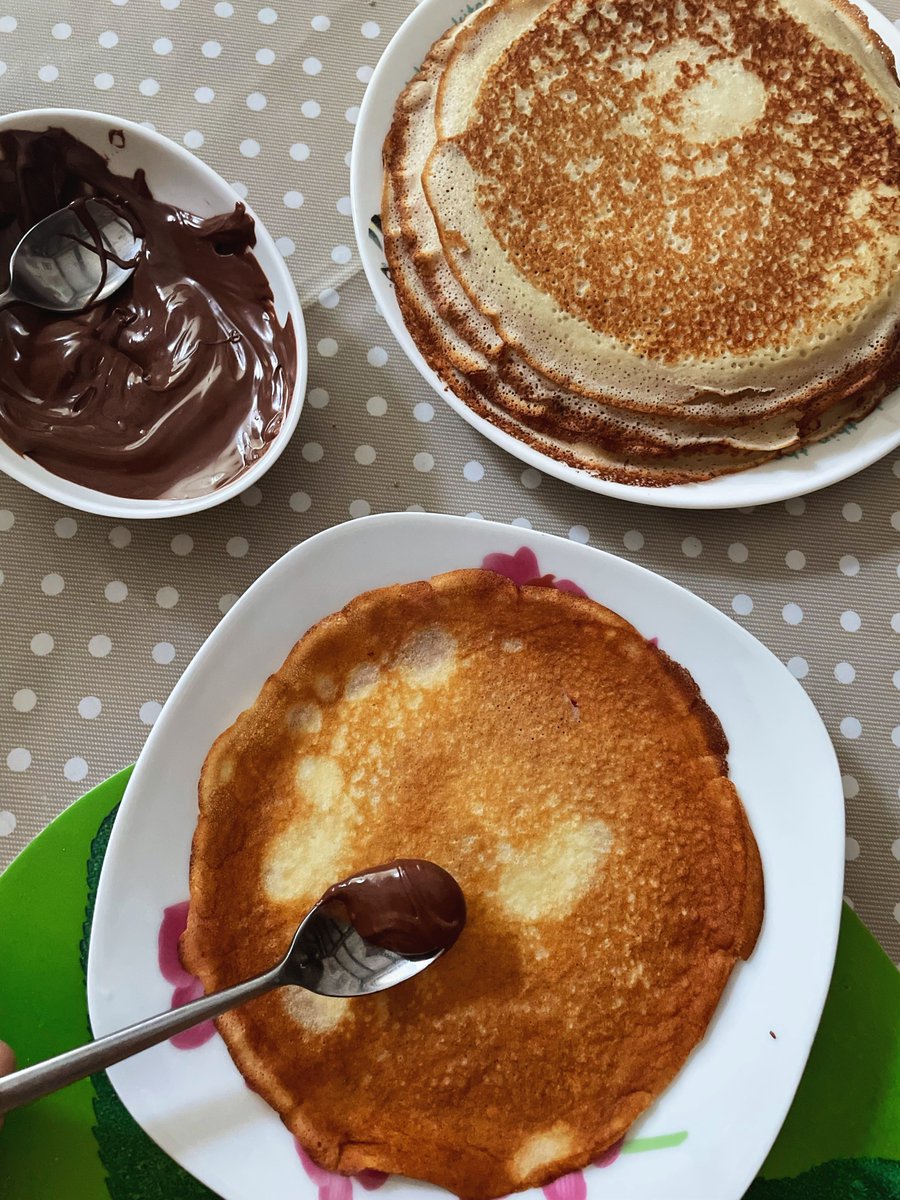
(522, 568)
(337, 1187)
(186, 986)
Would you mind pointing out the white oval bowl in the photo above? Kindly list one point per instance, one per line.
(179, 178)
(806, 470)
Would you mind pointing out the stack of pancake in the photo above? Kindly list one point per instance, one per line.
(571, 778)
(655, 241)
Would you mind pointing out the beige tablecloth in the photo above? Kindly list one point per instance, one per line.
(99, 619)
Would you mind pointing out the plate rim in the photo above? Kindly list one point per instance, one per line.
(384, 87)
(806, 713)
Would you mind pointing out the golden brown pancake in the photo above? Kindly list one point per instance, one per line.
(572, 779)
(634, 233)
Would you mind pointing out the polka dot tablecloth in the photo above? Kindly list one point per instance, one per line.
(99, 618)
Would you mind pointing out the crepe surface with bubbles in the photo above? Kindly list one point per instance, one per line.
(657, 242)
(571, 777)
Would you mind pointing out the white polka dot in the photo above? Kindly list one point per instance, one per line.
(75, 770)
(844, 672)
(2, 68)
(849, 565)
(292, 199)
(365, 455)
(521, 523)
(148, 87)
(8, 24)
(897, 912)
(206, 95)
(61, 31)
(227, 602)
(692, 547)
(742, 604)
(341, 254)
(7, 520)
(364, 74)
(256, 101)
(237, 547)
(300, 502)
(895, 848)
(423, 461)
(312, 452)
(376, 406)
(377, 356)
(531, 478)
(104, 81)
(474, 516)
(850, 621)
(895, 520)
(423, 411)
(251, 496)
(852, 512)
(299, 152)
(851, 728)
(796, 507)
(318, 398)
(265, 57)
(210, 49)
(170, 4)
(311, 66)
(89, 707)
(798, 667)
(115, 591)
(895, 736)
(65, 527)
(149, 711)
(48, 74)
(99, 646)
(167, 597)
(108, 39)
(578, 533)
(19, 759)
(52, 585)
(359, 508)
(267, 16)
(163, 653)
(193, 139)
(249, 147)
(329, 298)
(369, 29)
(285, 246)
(792, 613)
(632, 539)
(343, 206)
(347, 159)
(738, 552)
(42, 644)
(352, 114)
(223, 9)
(7, 819)
(311, 109)
(851, 849)
(415, 508)
(473, 471)
(24, 700)
(895, 622)
(321, 24)
(147, 125)
(119, 537)
(850, 785)
(162, 46)
(896, 680)
(327, 347)
(795, 559)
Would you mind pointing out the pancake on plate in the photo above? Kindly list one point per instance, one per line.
(572, 779)
(658, 242)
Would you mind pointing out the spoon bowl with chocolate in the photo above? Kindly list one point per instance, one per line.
(182, 386)
(369, 932)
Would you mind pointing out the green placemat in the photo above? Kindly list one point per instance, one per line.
(841, 1139)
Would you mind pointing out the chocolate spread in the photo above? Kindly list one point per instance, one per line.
(177, 382)
(410, 906)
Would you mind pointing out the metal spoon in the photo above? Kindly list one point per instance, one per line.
(73, 258)
(327, 956)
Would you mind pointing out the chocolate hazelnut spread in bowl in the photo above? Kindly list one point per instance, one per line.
(184, 386)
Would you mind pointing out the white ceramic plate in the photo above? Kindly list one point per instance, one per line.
(795, 474)
(707, 1135)
(180, 178)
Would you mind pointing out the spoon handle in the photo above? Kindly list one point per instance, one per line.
(31, 1083)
